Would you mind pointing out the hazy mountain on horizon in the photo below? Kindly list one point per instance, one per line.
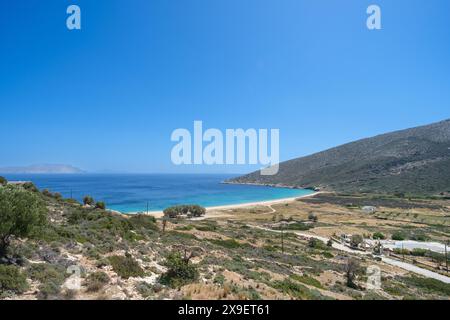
(414, 161)
(42, 169)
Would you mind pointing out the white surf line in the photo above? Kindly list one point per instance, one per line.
(403, 265)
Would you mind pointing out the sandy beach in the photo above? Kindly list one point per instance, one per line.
(210, 210)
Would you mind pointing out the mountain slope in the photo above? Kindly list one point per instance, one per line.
(415, 160)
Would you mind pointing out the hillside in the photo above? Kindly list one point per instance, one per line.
(231, 254)
(415, 160)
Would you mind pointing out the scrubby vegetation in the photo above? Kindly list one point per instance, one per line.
(130, 257)
(126, 266)
(180, 270)
(12, 281)
(21, 213)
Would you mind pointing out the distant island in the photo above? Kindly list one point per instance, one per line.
(411, 161)
(42, 169)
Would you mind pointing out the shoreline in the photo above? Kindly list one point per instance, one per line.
(159, 213)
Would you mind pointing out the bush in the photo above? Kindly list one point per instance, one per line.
(402, 251)
(419, 252)
(145, 289)
(179, 271)
(313, 217)
(297, 290)
(307, 280)
(316, 243)
(141, 221)
(47, 193)
(3, 181)
(126, 266)
(429, 285)
(398, 236)
(21, 213)
(100, 205)
(29, 186)
(51, 278)
(229, 243)
(12, 280)
(356, 240)
(49, 290)
(96, 281)
(88, 200)
(378, 236)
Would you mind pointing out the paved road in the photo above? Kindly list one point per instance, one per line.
(416, 269)
(338, 246)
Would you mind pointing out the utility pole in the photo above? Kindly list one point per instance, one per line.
(71, 197)
(147, 207)
(282, 237)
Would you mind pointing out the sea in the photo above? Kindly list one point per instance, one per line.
(130, 193)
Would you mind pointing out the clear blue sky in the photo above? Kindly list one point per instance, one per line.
(107, 98)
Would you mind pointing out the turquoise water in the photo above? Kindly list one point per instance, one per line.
(131, 192)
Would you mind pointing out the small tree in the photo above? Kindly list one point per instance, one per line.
(180, 269)
(88, 201)
(3, 181)
(356, 240)
(313, 217)
(352, 268)
(20, 213)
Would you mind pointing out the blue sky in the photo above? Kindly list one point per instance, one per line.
(108, 97)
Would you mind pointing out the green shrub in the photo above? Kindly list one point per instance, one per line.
(21, 214)
(126, 266)
(317, 244)
(49, 290)
(297, 290)
(402, 251)
(398, 236)
(44, 272)
(88, 200)
(142, 221)
(51, 278)
(378, 236)
(419, 252)
(307, 280)
(296, 226)
(179, 271)
(356, 240)
(3, 181)
(229, 243)
(96, 281)
(100, 205)
(47, 193)
(29, 186)
(145, 289)
(429, 284)
(12, 280)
